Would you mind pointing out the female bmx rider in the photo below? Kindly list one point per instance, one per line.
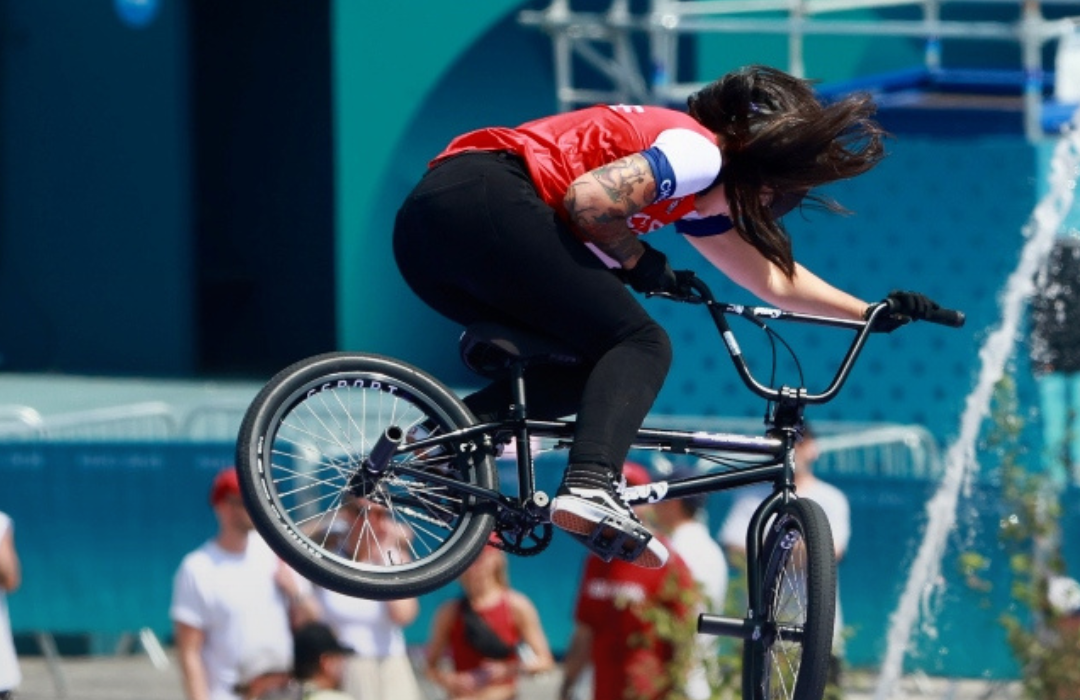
(522, 226)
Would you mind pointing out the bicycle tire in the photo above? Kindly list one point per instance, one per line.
(382, 537)
(789, 656)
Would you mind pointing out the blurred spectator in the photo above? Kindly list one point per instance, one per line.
(633, 625)
(319, 662)
(491, 635)
(266, 674)
(1054, 347)
(831, 499)
(380, 668)
(231, 597)
(10, 578)
(682, 520)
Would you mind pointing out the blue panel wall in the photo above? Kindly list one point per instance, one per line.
(100, 530)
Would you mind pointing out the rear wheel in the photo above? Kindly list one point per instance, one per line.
(789, 658)
(394, 533)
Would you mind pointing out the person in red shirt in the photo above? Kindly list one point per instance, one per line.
(492, 635)
(615, 632)
(524, 226)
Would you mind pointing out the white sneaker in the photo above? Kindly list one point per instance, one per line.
(590, 506)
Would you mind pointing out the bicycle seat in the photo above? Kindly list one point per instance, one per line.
(490, 349)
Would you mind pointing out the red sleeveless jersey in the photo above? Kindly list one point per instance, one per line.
(499, 617)
(560, 148)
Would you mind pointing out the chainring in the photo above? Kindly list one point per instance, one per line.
(523, 540)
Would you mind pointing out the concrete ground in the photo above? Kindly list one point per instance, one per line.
(134, 677)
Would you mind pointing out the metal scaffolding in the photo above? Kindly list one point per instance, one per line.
(604, 40)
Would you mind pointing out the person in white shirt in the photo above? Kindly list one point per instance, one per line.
(230, 596)
(266, 673)
(831, 499)
(681, 520)
(10, 579)
(380, 668)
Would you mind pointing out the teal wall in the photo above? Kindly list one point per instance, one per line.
(392, 61)
(166, 192)
(827, 58)
(95, 169)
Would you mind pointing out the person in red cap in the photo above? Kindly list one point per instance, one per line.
(614, 623)
(232, 596)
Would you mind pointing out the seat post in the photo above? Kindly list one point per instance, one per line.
(518, 413)
(517, 391)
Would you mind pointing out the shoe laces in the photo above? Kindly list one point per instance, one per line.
(589, 478)
(621, 488)
(614, 483)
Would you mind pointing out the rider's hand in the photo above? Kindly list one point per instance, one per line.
(904, 307)
(652, 274)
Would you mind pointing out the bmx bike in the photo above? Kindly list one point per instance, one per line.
(372, 478)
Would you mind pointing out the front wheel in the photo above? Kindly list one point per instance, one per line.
(398, 531)
(789, 655)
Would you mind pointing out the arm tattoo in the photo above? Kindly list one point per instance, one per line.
(620, 178)
(628, 187)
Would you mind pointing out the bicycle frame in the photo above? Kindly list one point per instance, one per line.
(776, 447)
(777, 467)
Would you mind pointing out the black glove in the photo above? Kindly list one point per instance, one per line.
(652, 274)
(904, 307)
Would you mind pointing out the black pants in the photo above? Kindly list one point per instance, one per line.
(476, 243)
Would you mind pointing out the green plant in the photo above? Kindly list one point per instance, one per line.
(671, 625)
(1045, 644)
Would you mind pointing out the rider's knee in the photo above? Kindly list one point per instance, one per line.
(654, 341)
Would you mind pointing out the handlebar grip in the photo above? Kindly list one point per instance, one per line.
(897, 301)
(947, 317)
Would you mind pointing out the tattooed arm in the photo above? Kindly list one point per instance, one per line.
(600, 201)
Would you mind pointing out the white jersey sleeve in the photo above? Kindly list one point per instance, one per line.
(683, 162)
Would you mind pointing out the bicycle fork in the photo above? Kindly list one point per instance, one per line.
(750, 627)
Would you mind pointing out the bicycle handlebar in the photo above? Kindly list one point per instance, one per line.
(696, 291)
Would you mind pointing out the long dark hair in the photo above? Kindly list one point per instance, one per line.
(776, 136)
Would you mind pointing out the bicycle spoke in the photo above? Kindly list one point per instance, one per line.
(784, 655)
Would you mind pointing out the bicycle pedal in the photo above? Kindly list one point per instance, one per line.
(585, 540)
(616, 538)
